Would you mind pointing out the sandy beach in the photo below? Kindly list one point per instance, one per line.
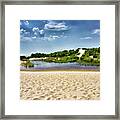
(59, 85)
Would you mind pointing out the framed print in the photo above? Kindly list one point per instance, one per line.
(59, 60)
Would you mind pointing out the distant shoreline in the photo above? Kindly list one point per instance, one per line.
(72, 70)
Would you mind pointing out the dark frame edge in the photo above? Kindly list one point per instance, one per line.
(62, 117)
(2, 52)
(61, 2)
(2, 60)
(117, 38)
(0, 67)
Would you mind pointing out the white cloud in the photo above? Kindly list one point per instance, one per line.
(34, 37)
(38, 32)
(24, 33)
(35, 29)
(35, 33)
(48, 38)
(52, 25)
(41, 32)
(22, 30)
(51, 38)
(86, 38)
(27, 33)
(55, 37)
(42, 38)
(26, 22)
(96, 31)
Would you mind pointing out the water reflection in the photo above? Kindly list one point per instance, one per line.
(41, 65)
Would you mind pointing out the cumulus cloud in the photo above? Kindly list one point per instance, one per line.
(52, 25)
(86, 38)
(35, 29)
(96, 31)
(41, 32)
(35, 33)
(49, 38)
(38, 32)
(27, 33)
(26, 22)
(22, 30)
(34, 37)
(53, 37)
(24, 33)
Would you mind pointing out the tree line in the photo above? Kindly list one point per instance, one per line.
(91, 56)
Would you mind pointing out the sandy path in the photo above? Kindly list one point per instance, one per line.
(60, 85)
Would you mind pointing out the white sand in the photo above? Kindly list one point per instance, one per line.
(60, 85)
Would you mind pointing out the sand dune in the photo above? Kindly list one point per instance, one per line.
(60, 85)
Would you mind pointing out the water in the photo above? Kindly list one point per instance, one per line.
(40, 65)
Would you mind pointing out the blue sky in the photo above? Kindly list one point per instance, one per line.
(46, 36)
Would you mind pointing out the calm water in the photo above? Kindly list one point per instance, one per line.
(40, 65)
